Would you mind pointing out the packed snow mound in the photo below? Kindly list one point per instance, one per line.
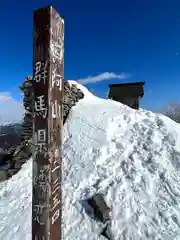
(131, 157)
(82, 88)
(16, 205)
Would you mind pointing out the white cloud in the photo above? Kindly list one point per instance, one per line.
(102, 77)
(4, 97)
(11, 109)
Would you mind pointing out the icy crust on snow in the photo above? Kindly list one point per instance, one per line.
(132, 157)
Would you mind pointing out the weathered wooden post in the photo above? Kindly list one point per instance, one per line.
(48, 75)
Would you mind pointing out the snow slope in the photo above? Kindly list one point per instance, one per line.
(132, 157)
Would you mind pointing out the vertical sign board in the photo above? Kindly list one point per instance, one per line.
(48, 75)
(56, 120)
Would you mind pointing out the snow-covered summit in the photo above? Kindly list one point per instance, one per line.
(82, 88)
(132, 157)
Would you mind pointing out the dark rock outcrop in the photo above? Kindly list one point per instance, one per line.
(72, 94)
(23, 148)
(100, 212)
(9, 141)
(11, 161)
(28, 102)
(5, 156)
(19, 145)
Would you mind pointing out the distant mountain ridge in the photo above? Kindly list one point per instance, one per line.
(10, 136)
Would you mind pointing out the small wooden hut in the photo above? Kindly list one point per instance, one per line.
(127, 93)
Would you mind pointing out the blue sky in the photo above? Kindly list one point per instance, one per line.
(137, 38)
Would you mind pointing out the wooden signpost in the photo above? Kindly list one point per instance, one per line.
(48, 75)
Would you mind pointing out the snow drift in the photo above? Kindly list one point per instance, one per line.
(131, 157)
